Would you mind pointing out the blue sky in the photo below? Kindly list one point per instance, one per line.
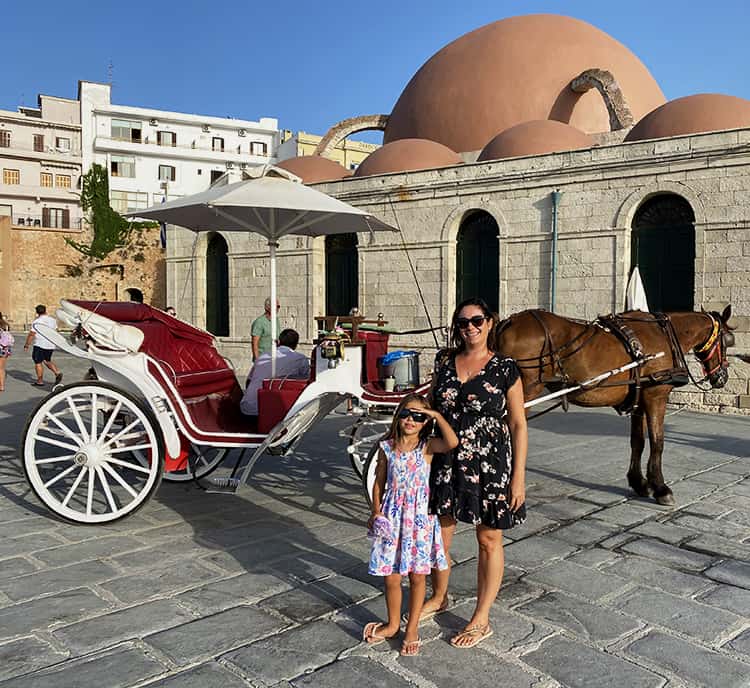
(312, 64)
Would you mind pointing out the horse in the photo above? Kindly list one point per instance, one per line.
(555, 352)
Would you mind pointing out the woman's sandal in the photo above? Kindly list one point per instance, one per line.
(370, 636)
(410, 648)
(426, 616)
(476, 634)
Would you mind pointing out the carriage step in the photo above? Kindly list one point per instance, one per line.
(223, 485)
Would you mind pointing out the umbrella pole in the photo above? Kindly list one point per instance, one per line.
(272, 245)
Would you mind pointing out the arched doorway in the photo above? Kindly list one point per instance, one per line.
(217, 286)
(477, 259)
(342, 274)
(134, 294)
(663, 248)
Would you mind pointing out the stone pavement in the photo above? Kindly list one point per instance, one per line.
(271, 589)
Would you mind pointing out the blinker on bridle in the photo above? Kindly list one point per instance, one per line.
(707, 350)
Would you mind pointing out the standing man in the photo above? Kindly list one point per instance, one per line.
(41, 354)
(260, 332)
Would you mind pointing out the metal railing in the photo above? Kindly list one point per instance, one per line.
(240, 149)
(37, 222)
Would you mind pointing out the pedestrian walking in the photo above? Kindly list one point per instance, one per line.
(43, 348)
(406, 539)
(6, 348)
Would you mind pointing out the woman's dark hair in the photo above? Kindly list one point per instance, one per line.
(394, 432)
(457, 342)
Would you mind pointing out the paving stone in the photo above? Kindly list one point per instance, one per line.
(579, 666)
(534, 552)
(142, 586)
(605, 497)
(705, 508)
(585, 532)
(101, 548)
(578, 580)
(515, 592)
(593, 558)
(566, 509)
(12, 547)
(587, 621)
(617, 540)
(292, 653)
(210, 675)
(737, 516)
(27, 526)
(535, 523)
(647, 572)
(717, 477)
(246, 588)
(125, 624)
(353, 672)
(26, 655)
(444, 666)
(56, 580)
(666, 532)
(678, 614)
(464, 546)
(213, 635)
(741, 644)
(67, 606)
(120, 668)
(174, 553)
(668, 554)
(714, 526)
(318, 598)
(735, 600)
(732, 572)
(714, 545)
(690, 662)
(625, 514)
(17, 566)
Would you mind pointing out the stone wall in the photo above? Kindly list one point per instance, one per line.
(39, 267)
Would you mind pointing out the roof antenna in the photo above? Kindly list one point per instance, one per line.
(110, 71)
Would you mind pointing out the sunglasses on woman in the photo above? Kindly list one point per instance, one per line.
(476, 320)
(417, 416)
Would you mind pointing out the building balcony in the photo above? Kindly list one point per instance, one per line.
(191, 151)
(55, 222)
(48, 153)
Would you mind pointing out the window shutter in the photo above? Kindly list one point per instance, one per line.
(45, 217)
(158, 138)
(66, 218)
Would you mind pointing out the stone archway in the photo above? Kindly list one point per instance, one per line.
(217, 286)
(346, 127)
(477, 259)
(663, 248)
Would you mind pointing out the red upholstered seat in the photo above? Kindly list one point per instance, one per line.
(275, 398)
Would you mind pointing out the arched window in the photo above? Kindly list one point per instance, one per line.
(342, 274)
(477, 259)
(217, 286)
(134, 294)
(663, 248)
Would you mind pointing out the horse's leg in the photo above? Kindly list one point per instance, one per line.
(655, 404)
(637, 443)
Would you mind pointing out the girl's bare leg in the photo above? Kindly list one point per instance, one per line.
(440, 579)
(417, 587)
(393, 605)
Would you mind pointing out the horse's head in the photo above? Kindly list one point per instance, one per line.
(713, 352)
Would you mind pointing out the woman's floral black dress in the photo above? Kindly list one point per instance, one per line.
(472, 483)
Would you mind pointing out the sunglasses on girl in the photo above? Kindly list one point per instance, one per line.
(476, 320)
(417, 416)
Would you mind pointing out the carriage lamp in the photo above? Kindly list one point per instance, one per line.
(332, 349)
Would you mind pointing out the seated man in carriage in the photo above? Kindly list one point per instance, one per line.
(289, 364)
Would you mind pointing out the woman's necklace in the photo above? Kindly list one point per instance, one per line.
(474, 367)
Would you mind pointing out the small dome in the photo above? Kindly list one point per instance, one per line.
(535, 138)
(314, 168)
(512, 71)
(406, 155)
(693, 115)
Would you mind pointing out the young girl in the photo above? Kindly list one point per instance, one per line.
(408, 539)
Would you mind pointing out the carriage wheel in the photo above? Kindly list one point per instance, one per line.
(368, 476)
(92, 453)
(204, 457)
(365, 434)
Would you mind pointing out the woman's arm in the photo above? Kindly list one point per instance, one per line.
(378, 488)
(440, 445)
(519, 442)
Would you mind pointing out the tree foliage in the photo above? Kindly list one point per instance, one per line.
(111, 230)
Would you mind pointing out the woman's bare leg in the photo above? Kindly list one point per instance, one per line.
(3, 361)
(489, 577)
(440, 579)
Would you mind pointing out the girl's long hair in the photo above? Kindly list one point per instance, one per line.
(394, 433)
(457, 342)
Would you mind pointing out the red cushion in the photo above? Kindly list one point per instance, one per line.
(275, 398)
(376, 346)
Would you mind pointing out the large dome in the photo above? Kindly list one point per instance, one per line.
(512, 71)
(692, 115)
(535, 138)
(314, 168)
(405, 155)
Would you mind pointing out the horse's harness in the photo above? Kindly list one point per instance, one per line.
(618, 325)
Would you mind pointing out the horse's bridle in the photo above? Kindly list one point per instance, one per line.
(717, 343)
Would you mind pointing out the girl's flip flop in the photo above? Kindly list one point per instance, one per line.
(411, 648)
(476, 634)
(370, 636)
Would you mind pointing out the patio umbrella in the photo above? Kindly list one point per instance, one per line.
(273, 203)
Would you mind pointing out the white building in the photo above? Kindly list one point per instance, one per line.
(153, 153)
(40, 158)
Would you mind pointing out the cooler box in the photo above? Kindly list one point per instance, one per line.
(275, 398)
(401, 365)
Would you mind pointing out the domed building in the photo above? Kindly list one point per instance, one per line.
(529, 133)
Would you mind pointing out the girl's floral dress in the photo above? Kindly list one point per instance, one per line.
(415, 544)
(472, 483)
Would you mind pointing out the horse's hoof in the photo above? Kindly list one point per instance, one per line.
(639, 486)
(664, 496)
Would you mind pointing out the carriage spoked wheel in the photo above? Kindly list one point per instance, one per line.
(365, 434)
(92, 453)
(204, 458)
(368, 475)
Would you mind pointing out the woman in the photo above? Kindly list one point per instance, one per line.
(482, 481)
(6, 349)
